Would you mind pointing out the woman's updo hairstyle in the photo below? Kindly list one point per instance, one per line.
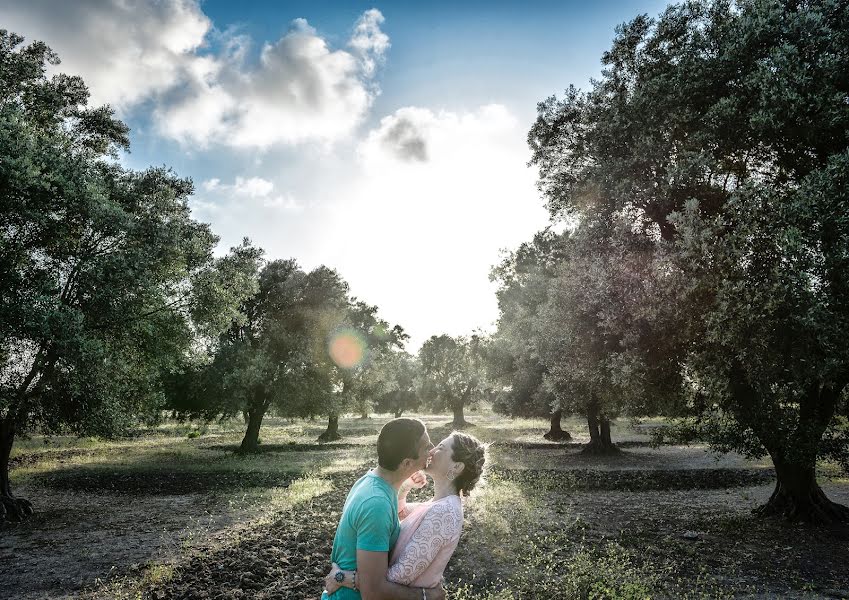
(472, 453)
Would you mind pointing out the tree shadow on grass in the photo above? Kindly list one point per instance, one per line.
(290, 447)
(635, 480)
(144, 481)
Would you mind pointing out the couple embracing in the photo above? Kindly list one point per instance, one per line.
(387, 548)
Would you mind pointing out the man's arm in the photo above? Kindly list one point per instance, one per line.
(371, 579)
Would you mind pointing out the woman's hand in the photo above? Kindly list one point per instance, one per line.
(415, 481)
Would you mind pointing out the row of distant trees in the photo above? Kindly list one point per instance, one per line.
(697, 264)
(114, 309)
(299, 346)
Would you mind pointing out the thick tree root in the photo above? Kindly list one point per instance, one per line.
(597, 448)
(14, 509)
(329, 436)
(558, 436)
(814, 508)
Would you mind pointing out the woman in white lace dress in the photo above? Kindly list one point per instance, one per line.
(430, 530)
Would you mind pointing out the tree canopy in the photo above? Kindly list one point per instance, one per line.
(452, 374)
(716, 141)
(104, 276)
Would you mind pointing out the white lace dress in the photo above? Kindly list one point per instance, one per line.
(429, 535)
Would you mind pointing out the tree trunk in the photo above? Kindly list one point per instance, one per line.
(605, 432)
(11, 508)
(331, 434)
(555, 432)
(600, 442)
(250, 443)
(459, 421)
(798, 497)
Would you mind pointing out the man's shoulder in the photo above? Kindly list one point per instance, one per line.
(371, 494)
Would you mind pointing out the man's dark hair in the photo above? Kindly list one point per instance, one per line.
(399, 439)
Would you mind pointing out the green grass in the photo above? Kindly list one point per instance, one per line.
(527, 534)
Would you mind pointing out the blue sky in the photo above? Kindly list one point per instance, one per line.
(386, 140)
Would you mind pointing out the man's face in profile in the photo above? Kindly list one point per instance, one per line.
(424, 450)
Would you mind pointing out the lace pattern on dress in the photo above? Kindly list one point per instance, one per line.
(440, 526)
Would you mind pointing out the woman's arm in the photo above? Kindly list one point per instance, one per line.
(405, 509)
(438, 527)
(416, 481)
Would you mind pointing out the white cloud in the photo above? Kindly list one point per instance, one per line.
(414, 221)
(131, 51)
(253, 187)
(300, 91)
(221, 197)
(368, 41)
(125, 51)
(438, 195)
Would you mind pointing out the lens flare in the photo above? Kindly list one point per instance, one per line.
(348, 348)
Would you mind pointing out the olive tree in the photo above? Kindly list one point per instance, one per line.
(105, 279)
(718, 134)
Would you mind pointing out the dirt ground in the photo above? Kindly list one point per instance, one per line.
(262, 528)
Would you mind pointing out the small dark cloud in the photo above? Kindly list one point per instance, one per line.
(405, 140)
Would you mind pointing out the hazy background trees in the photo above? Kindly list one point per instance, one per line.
(452, 374)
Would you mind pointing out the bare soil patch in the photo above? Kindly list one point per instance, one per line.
(75, 538)
(285, 559)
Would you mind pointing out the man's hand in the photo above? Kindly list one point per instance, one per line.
(330, 583)
(437, 593)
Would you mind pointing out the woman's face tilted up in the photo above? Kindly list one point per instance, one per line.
(441, 463)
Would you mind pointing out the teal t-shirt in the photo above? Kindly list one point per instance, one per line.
(369, 522)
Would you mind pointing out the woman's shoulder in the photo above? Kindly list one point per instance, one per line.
(451, 502)
(450, 506)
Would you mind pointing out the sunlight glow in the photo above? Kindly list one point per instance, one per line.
(348, 348)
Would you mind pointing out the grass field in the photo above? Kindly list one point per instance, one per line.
(174, 513)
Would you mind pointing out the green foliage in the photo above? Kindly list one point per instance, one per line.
(399, 372)
(710, 164)
(452, 372)
(513, 362)
(97, 262)
(370, 378)
(272, 353)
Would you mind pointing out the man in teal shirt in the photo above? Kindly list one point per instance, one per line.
(369, 524)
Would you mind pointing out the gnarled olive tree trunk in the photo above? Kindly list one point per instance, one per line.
(254, 415)
(459, 421)
(11, 508)
(555, 432)
(797, 495)
(599, 428)
(331, 434)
